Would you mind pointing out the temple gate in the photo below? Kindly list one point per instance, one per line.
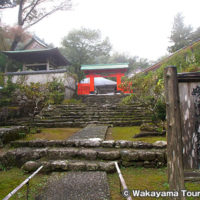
(106, 70)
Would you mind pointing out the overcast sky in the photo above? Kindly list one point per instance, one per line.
(136, 27)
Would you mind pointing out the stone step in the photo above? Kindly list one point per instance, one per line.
(92, 118)
(101, 108)
(89, 144)
(19, 156)
(70, 165)
(98, 106)
(86, 114)
(88, 119)
(103, 112)
(84, 123)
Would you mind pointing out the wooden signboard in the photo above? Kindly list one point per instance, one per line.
(183, 124)
(189, 93)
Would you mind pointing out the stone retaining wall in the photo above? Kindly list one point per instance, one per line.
(13, 133)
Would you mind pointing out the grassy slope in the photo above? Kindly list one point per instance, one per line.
(141, 178)
(53, 134)
(127, 133)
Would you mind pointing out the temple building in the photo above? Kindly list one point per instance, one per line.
(38, 59)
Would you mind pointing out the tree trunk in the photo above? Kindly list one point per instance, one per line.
(174, 132)
(15, 42)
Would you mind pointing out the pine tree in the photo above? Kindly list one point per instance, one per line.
(180, 35)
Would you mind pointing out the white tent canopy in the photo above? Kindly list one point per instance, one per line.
(99, 81)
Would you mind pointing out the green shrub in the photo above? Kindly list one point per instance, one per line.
(56, 91)
(7, 92)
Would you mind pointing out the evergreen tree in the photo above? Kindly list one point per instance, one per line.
(180, 35)
(84, 46)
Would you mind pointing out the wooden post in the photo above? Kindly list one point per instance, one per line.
(174, 133)
(48, 64)
(118, 82)
(92, 84)
(24, 67)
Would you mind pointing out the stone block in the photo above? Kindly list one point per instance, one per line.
(108, 143)
(160, 156)
(109, 155)
(160, 144)
(93, 142)
(62, 153)
(92, 166)
(59, 165)
(88, 154)
(37, 143)
(77, 166)
(128, 155)
(123, 144)
(107, 166)
(31, 166)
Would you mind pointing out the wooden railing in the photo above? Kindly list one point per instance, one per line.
(22, 184)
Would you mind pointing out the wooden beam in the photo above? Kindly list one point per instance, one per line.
(174, 132)
(35, 64)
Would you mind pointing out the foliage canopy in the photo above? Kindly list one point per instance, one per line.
(84, 46)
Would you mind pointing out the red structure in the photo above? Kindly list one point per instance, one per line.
(107, 70)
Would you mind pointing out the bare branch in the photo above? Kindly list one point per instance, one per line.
(39, 19)
(28, 6)
(33, 6)
(60, 7)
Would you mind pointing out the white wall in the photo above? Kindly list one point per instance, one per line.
(69, 81)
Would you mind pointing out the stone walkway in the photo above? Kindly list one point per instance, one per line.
(90, 132)
(81, 185)
(78, 186)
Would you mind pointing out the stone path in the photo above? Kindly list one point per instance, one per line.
(91, 131)
(78, 186)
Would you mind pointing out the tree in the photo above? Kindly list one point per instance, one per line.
(195, 35)
(180, 35)
(135, 63)
(7, 4)
(84, 46)
(30, 12)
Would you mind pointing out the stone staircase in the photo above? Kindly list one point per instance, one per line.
(82, 155)
(94, 109)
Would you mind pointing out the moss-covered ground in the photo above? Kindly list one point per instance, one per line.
(127, 133)
(135, 178)
(52, 134)
(10, 179)
(141, 179)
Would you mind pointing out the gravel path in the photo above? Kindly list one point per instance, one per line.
(78, 186)
(91, 131)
